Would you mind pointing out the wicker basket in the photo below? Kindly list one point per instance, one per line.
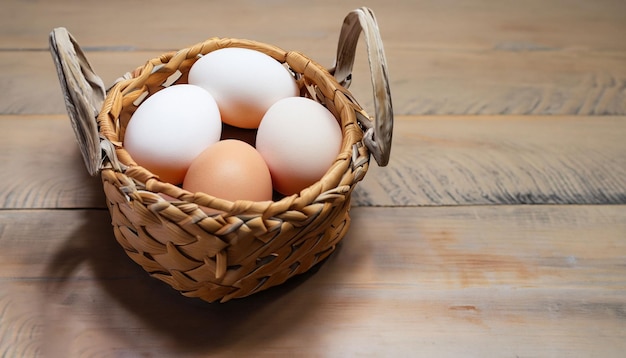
(250, 246)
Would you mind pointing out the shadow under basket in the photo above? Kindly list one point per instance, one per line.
(204, 246)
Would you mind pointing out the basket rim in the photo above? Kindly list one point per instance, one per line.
(315, 82)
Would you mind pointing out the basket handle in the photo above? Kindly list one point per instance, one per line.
(379, 133)
(83, 92)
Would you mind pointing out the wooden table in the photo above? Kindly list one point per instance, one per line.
(498, 229)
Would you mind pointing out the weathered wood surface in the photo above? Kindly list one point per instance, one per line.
(478, 24)
(422, 81)
(448, 57)
(42, 166)
(502, 160)
(498, 103)
(436, 161)
(449, 281)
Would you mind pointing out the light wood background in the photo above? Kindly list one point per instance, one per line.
(498, 228)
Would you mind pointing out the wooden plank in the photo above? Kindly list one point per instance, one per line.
(422, 81)
(42, 166)
(499, 82)
(501, 160)
(452, 160)
(445, 282)
(453, 24)
(30, 84)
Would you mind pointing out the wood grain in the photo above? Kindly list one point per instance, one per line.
(504, 82)
(42, 166)
(447, 25)
(485, 57)
(501, 160)
(496, 230)
(542, 280)
(429, 82)
(434, 161)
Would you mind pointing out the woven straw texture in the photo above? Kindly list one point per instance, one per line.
(248, 246)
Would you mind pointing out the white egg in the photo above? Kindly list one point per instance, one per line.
(299, 139)
(244, 83)
(170, 128)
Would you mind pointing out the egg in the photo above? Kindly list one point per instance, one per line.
(230, 169)
(299, 139)
(244, 82)
(170, 128)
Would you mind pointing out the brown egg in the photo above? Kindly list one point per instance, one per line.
(230, 169)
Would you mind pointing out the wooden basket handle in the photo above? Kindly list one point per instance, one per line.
(83, 92)
(378, 134)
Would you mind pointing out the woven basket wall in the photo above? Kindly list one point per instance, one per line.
(247, 246)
